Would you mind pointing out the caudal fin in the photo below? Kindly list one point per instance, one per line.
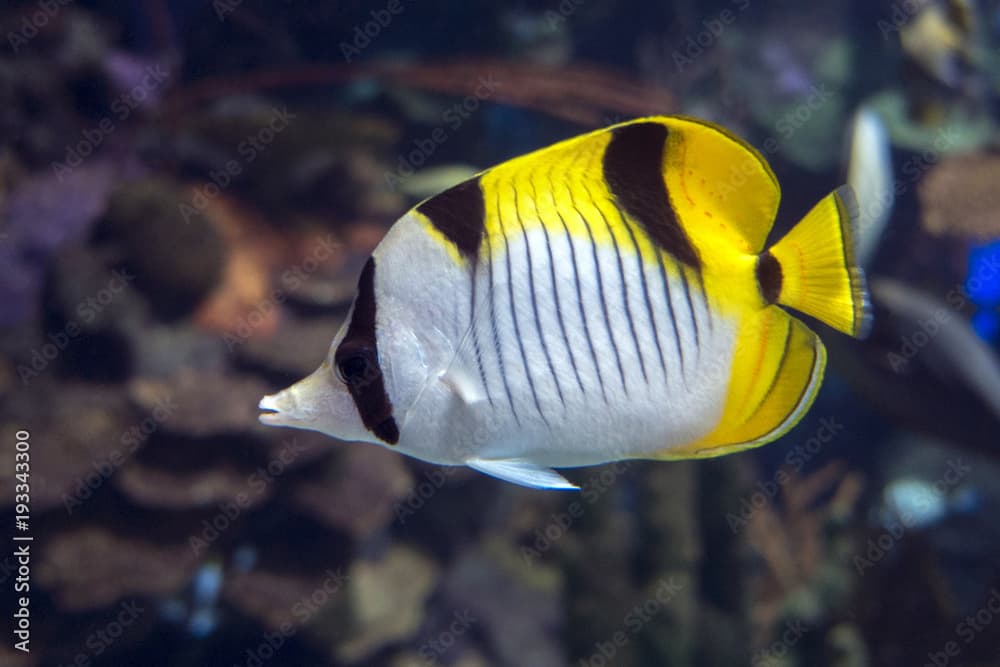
(813, 269)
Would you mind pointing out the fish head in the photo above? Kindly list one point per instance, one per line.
(359, 393)
(375, 370)
(318, 402)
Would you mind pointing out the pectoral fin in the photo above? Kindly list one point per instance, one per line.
(465, 385)
(522, 472)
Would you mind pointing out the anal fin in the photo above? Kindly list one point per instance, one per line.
(770, 389)
(519, 471)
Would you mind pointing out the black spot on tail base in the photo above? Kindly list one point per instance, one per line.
(633, 170)
(769, 277)
(358, 352)
(460, 214)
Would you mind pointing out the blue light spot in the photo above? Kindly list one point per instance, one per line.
(987, 324)
(203, 622)
(207, 583)
(983, 281)
(914, 502)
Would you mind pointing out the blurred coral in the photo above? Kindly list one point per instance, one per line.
(253, 250)
(44, 213)
(387, 598)
(91, 567)
(805, 546)
(176, 255)
(201, 404)
(959, 196)
(84, 428)
(358, 494)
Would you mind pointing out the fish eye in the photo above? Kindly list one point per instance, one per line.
(355, 367)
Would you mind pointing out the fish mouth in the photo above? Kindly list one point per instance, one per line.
(275, 410)
(269, 411)
(309, 403)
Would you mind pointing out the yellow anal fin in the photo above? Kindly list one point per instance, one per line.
(813, 270)
(777, 370)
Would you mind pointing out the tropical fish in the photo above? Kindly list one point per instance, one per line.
(608, 297)
(869, 173)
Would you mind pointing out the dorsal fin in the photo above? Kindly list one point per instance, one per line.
(687, 184)
(633, 166)
(719, 183)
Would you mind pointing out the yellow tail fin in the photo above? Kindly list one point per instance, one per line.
(812, 269)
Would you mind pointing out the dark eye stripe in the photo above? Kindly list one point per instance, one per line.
(369, 395)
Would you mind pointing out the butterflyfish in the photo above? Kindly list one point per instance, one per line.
(609, 297)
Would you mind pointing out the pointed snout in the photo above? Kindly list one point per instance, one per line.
(280, 408)
(319, 402)
(306, 404)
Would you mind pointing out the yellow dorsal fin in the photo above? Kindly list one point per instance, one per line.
(687, 185)
(777, 370)
(719, 184)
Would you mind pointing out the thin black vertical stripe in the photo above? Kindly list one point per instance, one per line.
(496, 336)
(534, 298)
(645, 289)
(704, 299)
(670, 307)
(583, 312)
(694, 319)
(624, 282)
(513, 314)
(474, 326)
(559, 314)
(600, 288)
(552, 275)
